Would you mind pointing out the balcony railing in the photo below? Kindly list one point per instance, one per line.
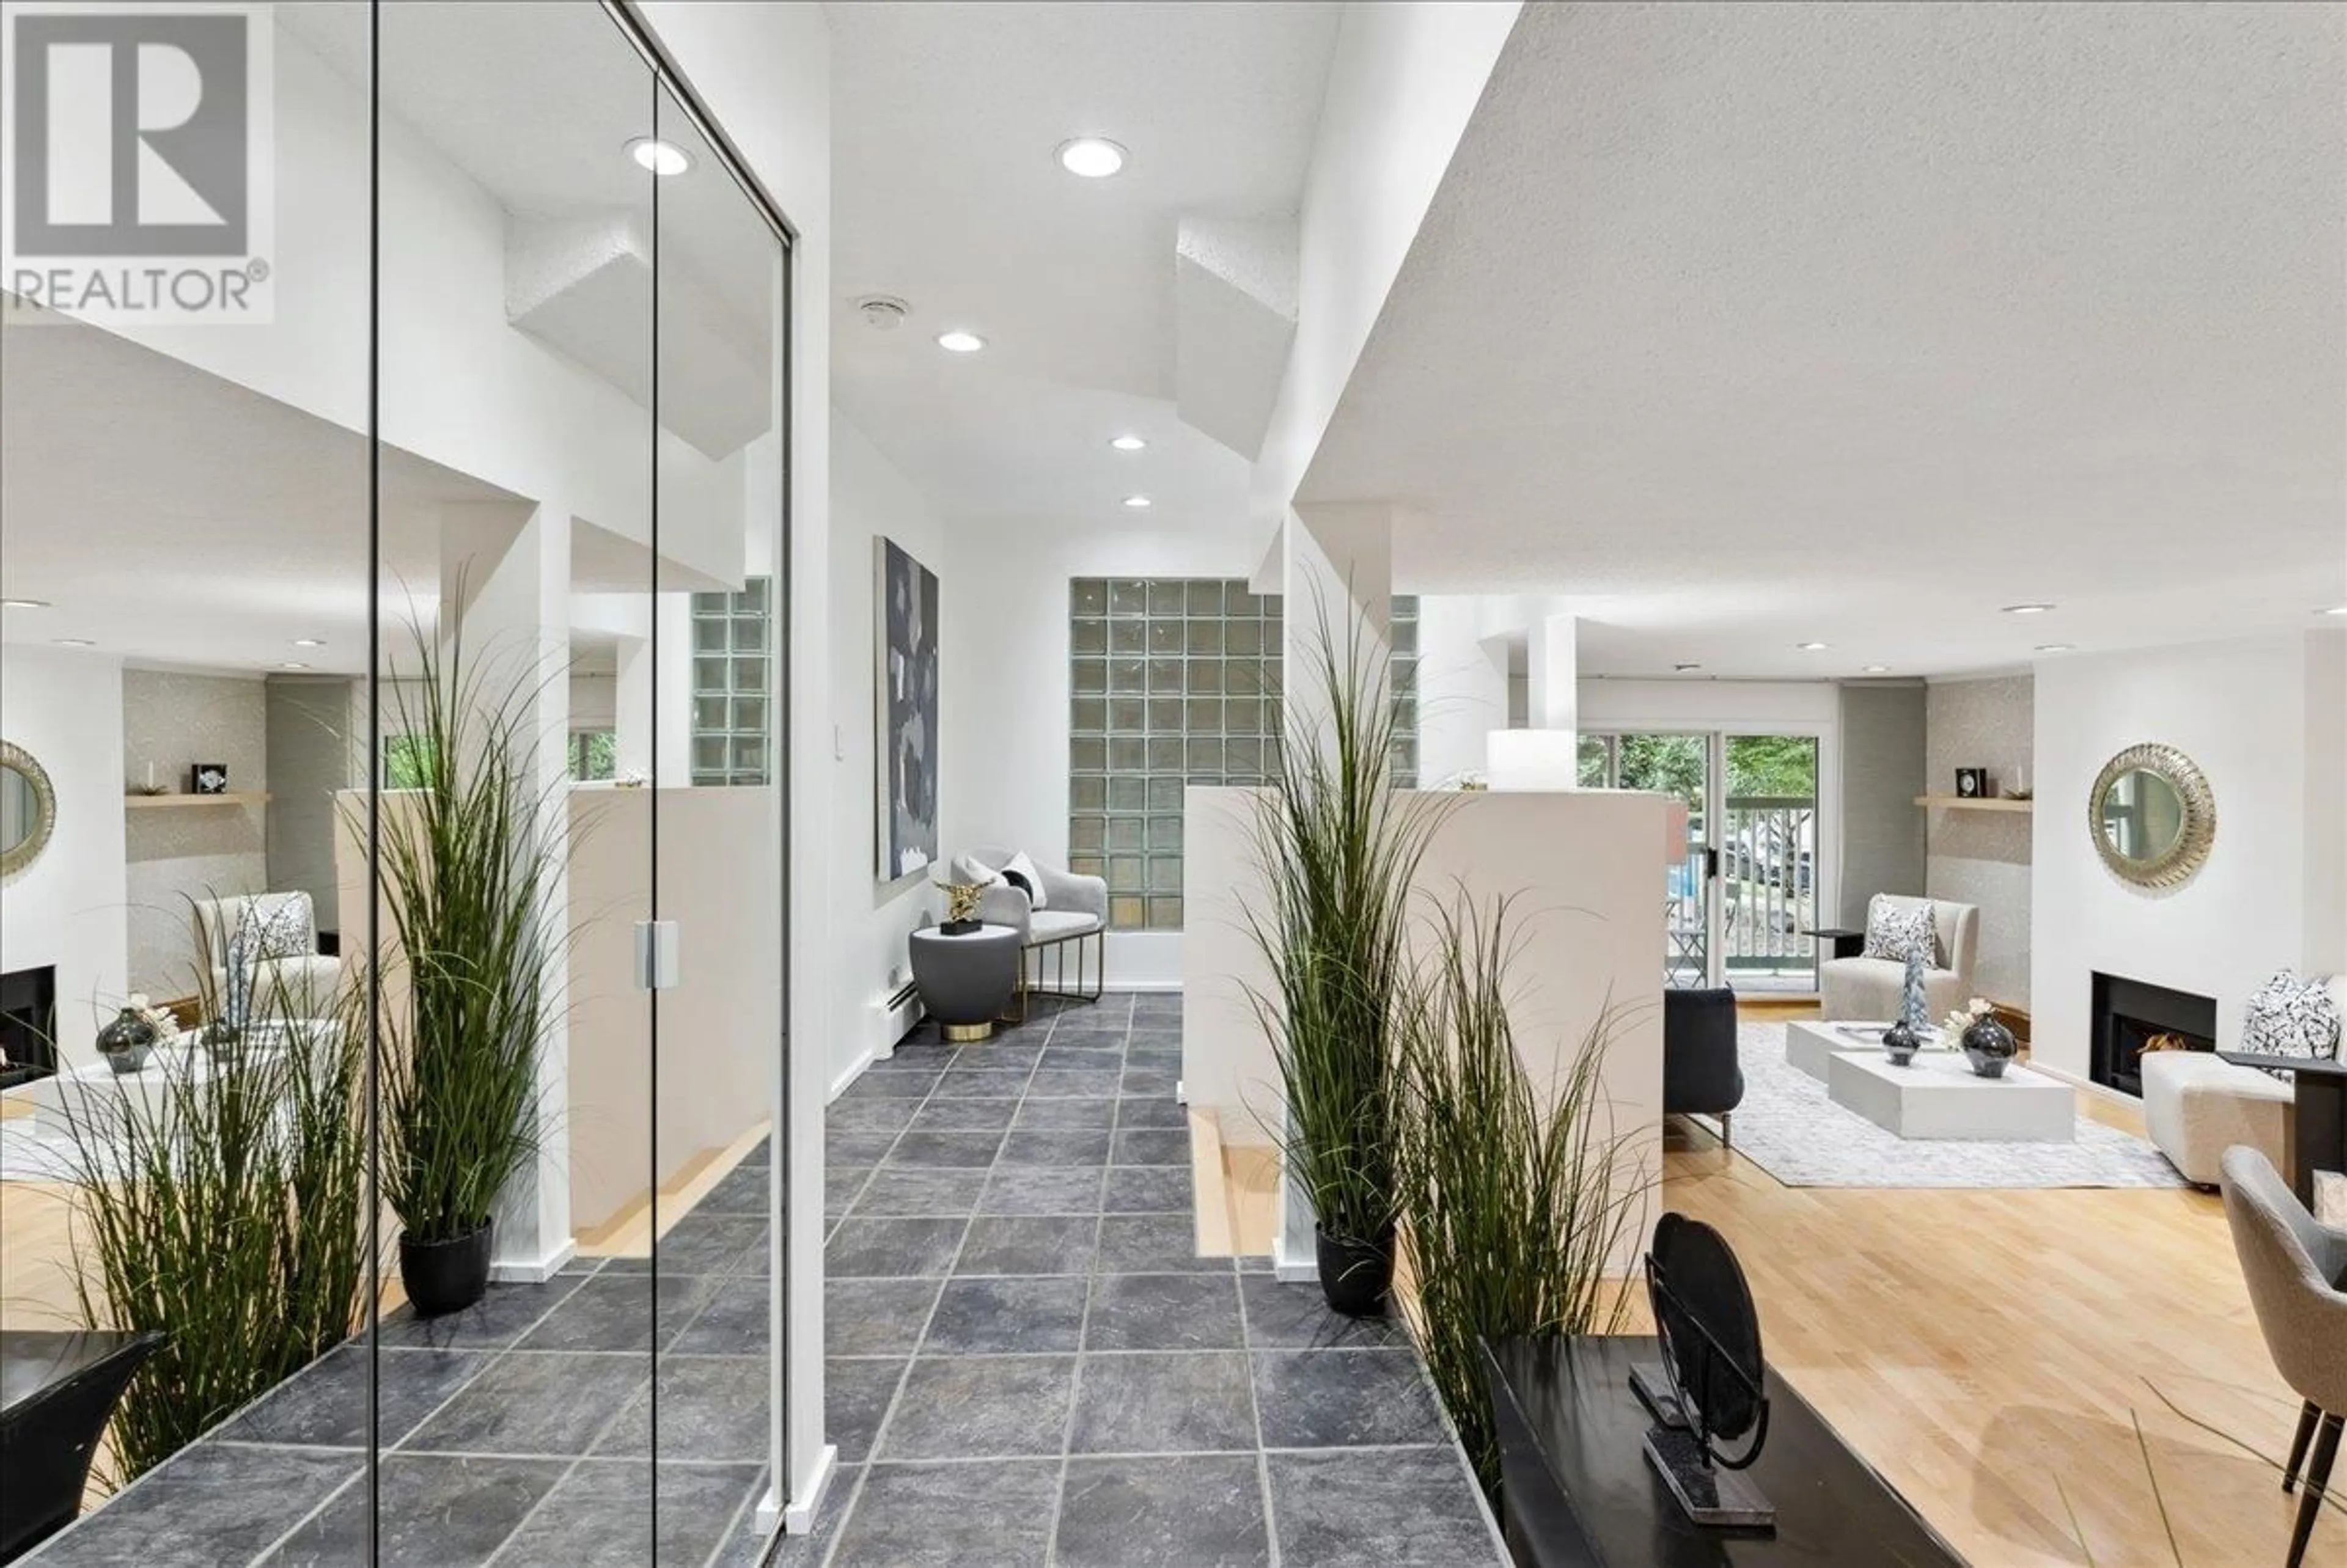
(1767, 879)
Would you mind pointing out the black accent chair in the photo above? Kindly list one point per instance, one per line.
(1701, 1076)
(57, 1391)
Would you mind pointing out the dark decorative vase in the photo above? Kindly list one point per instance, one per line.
(1898, 1043)
(1354, 1275)
(443, 1276)
(1988, 1046)
(126, 1042)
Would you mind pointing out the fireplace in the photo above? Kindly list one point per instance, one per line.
(2132, 1018)
(28, 1024)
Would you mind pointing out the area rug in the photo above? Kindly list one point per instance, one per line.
(1790, 1129)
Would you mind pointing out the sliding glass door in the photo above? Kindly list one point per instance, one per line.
(1739, 910)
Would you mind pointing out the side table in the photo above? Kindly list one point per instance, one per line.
(966, 981)
(1846, 942)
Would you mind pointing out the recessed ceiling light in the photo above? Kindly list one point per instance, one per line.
(309, 642)
(1136, 502)
(73, 642)
(291, 664)
(1810, 647)
(2027, 608)
(24, 603)
(1091, 156)
(1134, 444)
(959, 342)
(1877, 669)
(1684, 667)
(664, 158)
(2055, 647)
(2334, 610)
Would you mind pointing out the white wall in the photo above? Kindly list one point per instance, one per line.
(766, 72)
(1005, 706)
(1406, 77)
(870, 501)
(1982, 858)
(2253, 714)
(1463, 687)
(67, 908)
(172, 720)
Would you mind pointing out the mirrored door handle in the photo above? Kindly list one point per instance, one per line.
(659, 965)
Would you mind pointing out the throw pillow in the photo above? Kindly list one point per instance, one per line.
(970, 868)
(1022, 869)
(1893, 930)
(275, 928)
(2290, 1017)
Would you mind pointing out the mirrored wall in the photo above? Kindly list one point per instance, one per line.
(393, 464)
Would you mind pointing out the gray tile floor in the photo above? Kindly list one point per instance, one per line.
(1026, 1363)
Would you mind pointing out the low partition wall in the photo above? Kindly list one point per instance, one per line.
(1586, 873)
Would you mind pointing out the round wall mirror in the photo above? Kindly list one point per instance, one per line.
(28, 809)
(2152, 816)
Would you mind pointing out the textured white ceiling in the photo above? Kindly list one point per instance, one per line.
(1746, 325)
(946, 193)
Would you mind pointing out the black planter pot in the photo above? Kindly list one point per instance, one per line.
(1354, 1275)
(443, 1276)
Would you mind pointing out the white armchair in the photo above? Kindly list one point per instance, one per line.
(1074, 912)
(301, 983)
(1851, 990)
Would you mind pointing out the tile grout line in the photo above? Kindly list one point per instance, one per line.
(1255, 1409)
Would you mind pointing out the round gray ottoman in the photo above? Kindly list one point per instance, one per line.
(967, 982)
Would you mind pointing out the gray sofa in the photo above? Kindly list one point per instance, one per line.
(1868, 990)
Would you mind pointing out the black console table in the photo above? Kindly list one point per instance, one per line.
(57, 1393)
(2318, 1115)
(1578, 1493)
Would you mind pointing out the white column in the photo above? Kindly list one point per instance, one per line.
(1337, 573)
(507, 587)
(1545, 756)
(1462, 688)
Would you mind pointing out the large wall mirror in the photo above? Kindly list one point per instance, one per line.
(28, 809)
(2152, 816)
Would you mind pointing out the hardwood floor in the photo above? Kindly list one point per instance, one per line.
(1990, 1352)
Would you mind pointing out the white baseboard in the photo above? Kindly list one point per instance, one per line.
(533, 1271)
(1288, 1271)
(799, 1517)
(1115, 985)
(849, 1074)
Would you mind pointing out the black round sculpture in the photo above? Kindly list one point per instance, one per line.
(1716, 1381)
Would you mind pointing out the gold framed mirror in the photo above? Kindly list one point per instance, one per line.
(2153, 816)
(28, 808)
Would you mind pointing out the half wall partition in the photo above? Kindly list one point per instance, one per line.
(398, 625)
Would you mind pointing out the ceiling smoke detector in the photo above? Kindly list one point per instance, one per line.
(883, 313)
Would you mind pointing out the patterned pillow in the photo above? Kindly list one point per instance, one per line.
(276, 927)
(2290, 1017)
(1893, 930)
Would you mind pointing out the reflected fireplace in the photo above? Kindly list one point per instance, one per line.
(2131, 1019)
(29, 1024)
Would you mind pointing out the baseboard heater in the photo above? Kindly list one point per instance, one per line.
(900, 1011)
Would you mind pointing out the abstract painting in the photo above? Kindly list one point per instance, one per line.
(907, 768)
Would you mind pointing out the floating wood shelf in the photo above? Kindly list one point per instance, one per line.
(161, 802)
(1973, 803)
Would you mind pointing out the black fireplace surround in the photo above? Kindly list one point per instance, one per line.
(28, 1024)
(2128, 1014)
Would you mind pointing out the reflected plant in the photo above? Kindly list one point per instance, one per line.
(224, 1207)
(1511, 1200)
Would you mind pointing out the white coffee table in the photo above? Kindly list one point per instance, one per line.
(1808, 1046)
(1938, 1095)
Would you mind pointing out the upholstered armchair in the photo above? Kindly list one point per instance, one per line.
(292, 981)
(1701, 1074)
(2296, 1270)
(1850, 989)
(1074, 915)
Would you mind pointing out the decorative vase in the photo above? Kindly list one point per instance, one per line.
(1988, 1046)
(1354, 1275)
(127, 1042)
(1913, 1015)
(444, 1276)
(1899, 1044)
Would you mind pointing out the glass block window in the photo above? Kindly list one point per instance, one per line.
(1402, 681)
(733, 709)
(1172, 682)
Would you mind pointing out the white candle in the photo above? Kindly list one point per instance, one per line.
(150, 775)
